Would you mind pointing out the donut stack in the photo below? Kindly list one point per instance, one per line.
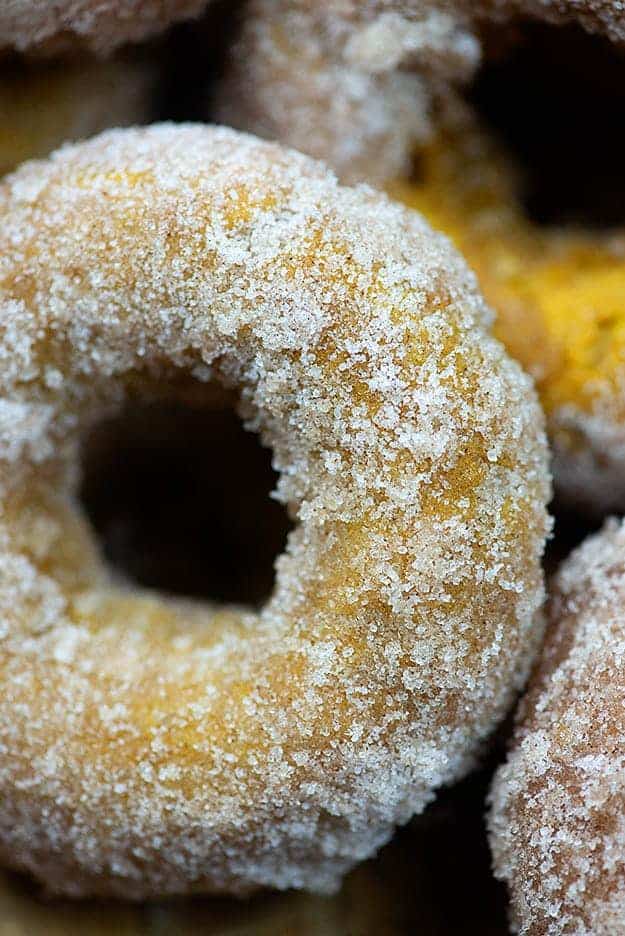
(342, 247)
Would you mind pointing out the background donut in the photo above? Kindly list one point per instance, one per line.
(557, 804)
(359, 77)
(363, 75)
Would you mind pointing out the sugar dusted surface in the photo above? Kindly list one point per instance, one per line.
(556, 823)
(353, 81)
(98, 25)
(149, 746)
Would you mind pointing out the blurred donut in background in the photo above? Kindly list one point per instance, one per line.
(373, 88)
(100, 26)
(556, 822)
(352, 82)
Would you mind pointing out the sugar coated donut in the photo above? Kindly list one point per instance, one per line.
(43, 27)
(154, 746)
(558, 295)
(351, 81)
(42, 107)
(556, 822)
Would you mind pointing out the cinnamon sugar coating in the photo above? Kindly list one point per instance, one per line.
(154, 746)
(98, 25)
(556, 822)
(352, 81)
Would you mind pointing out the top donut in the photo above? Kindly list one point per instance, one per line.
(97, 25)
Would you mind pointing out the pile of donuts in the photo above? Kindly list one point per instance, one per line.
(339, 247)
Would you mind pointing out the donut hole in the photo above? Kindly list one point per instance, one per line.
(571, 528)
(180, 500)
(194, 56)
(557, 99)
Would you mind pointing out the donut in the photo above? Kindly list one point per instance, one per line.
(100, 26)
(556, 804)
(558, 294)
(44, 106)
(363, 75)
(153, 745)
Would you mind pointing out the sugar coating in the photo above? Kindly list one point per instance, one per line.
(354, 81)
(97, 25)
(556, 823)
(558, 294)
(151, 746)
(42, 107)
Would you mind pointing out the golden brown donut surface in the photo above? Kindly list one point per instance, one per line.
(556, 822)
(153, 746)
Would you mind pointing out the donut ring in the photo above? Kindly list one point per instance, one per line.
(153, 746)
(557, 804)
(42, 107)
(558, 294)
(362, 74)
(99, 26)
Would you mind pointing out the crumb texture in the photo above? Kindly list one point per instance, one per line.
(557, 805)
(43, 27)
(353, 81)
(151, 746)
